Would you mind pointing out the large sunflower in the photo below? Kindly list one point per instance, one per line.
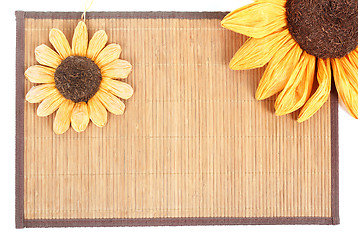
(79, 82)
(302, 41)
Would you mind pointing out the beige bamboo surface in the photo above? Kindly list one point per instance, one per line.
(193, 141)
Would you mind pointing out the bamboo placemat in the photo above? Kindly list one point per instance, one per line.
(194, 147)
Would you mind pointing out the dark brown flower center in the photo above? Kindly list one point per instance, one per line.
(324, 28)
(78, 78)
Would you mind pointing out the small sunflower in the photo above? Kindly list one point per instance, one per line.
(79, 82)
(302, 41)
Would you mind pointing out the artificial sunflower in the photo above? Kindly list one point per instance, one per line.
(302, 41)
(79, 82)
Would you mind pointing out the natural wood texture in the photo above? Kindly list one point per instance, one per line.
(193, 141)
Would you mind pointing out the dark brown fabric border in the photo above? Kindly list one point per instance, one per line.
(334, 156)
(136, 222)
(19, 203)
(146, 15)
(19, 142)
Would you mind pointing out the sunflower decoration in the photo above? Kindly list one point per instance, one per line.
(302, 41)
(80, 83)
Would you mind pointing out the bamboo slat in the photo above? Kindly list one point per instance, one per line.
(193, 141)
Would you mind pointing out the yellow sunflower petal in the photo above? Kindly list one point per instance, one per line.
(346, 90)
(96, 44)
(256, 53)
(279, 70)
(278, 2)
(40, 92)
(257, 19)
(299, 86)
(353, 57)
(97, 112)
(40, 74)
(63, 117)
(80, 40)
(79, 117)
(50, 104)
(60, 43)
(111, 102)
(108, 55)
(46, 56)
(118, 88)
(117, 69)
(321, 95)
(351, 69)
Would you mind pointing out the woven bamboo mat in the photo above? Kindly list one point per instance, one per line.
(193, 147)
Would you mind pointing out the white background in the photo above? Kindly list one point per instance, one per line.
(348, 143)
